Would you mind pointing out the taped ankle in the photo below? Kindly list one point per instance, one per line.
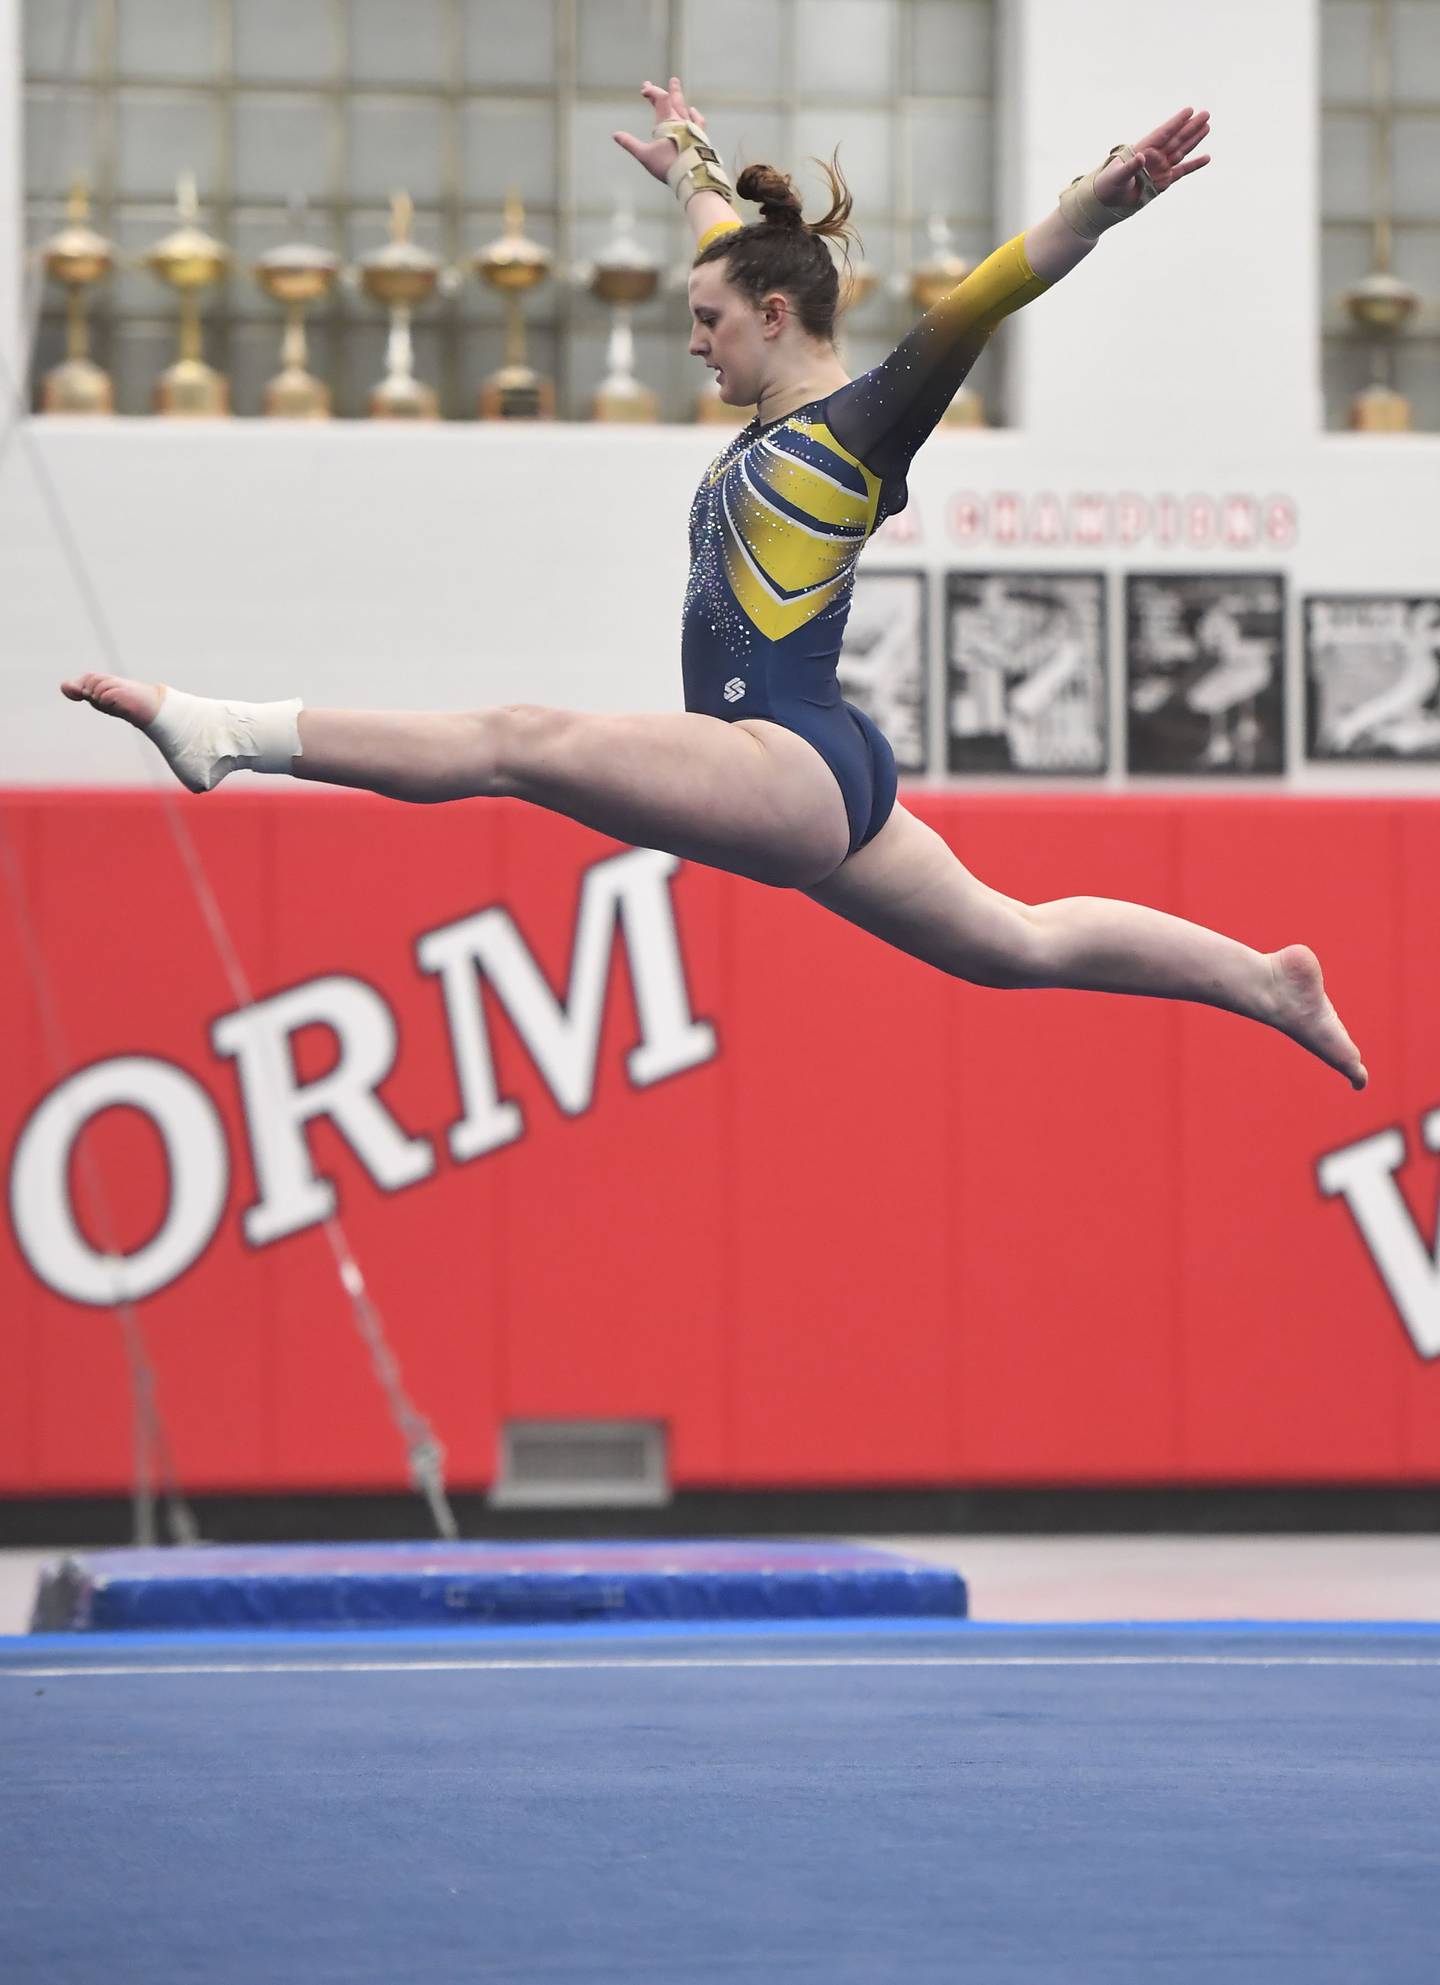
(205, 738)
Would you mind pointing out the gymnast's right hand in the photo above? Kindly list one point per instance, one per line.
(657, 155)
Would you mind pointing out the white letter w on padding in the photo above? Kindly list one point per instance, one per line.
(1364, 1175)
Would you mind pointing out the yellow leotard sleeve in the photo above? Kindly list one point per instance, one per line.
(1003, 282)
(883, 416)
(713, 233)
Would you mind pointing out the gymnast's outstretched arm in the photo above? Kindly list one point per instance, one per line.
(709, 213)
(1053, 246)
(883, 416)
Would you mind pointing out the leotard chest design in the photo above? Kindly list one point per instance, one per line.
(778, 524)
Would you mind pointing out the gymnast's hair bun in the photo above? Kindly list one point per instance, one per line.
(773, 193)
(784, 251)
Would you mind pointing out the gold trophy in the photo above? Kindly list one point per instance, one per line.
(78, 258)
(189, 260)
(401, 274)
(513, 265)
(930, 281)
(1380, 303)
(623, 275)
(858, 283)
(297, 274)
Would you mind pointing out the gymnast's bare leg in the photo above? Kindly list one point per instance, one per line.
(756, 800)
(909, 888)
(749, 797)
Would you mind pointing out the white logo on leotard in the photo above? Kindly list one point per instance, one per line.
(734, 689)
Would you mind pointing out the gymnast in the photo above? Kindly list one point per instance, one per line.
(768, 773)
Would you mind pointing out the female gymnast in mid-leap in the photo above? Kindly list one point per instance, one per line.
(768, 773)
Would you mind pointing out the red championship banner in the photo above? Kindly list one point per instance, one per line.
(614, 1137)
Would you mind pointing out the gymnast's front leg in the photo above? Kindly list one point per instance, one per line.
(401, 754)
(749, 797)
(910, 889)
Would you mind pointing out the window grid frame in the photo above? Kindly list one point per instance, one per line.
(234, 305)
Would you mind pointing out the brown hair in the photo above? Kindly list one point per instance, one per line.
(784, 251)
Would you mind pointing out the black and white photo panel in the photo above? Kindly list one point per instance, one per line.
(1205, 672)
(883, 661)
(1372, 678)
(1025, 672)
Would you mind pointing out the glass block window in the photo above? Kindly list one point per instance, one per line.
(1380, 195)
(300, 118)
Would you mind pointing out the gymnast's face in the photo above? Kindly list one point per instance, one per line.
(731, 334)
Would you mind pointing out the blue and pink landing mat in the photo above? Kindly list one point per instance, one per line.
(694, 1764)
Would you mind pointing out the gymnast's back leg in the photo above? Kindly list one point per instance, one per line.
(908, 887)
(749, 797)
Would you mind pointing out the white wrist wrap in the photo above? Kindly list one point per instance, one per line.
(698, 167)
(1088, 216)
(204, 737)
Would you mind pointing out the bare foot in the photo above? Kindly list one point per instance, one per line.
(1304, 1012)
(115, 695)
(203, 739)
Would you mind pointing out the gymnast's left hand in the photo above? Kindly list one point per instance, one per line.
(657, 155)
(1165, 154)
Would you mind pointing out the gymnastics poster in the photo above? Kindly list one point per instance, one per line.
(1025, 672)
(882, 663)
(1205, 672)
(1372, 678)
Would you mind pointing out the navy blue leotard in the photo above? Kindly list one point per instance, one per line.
(779, 522)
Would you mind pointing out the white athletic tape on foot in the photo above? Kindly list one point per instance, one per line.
(206, 737)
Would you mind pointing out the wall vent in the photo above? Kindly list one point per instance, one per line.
(581, 1463)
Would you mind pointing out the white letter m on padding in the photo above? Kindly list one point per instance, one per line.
(626, 895)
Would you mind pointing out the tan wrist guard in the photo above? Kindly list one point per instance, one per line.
(698, 167)
(1088, 216)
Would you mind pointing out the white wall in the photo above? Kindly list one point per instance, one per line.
(467, 564)
(11, 194)
(1201, 322)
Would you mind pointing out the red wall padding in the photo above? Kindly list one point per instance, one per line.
(897, 1230)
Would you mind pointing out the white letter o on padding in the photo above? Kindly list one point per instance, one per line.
(195, 1153)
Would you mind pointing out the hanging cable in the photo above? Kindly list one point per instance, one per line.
(425, 1451)
(152, 1454)
(151, 1443)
